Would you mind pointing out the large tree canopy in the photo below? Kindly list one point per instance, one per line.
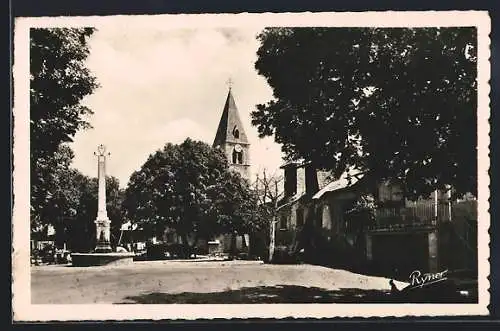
(54, 196)
(395, 103)
(59, 81)
(189, 188)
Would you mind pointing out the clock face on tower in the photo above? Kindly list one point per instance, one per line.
(237, 148)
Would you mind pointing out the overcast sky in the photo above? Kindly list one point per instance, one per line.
(161, 85)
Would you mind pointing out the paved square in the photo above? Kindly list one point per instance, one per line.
(203, 282)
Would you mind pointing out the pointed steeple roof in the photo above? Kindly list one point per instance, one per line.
(230, 125)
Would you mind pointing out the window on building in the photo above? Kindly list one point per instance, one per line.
(300, 217)
(326, 217)
(318, 217)
(283, 223)
(237, 157)
(290, 181)
(311, 175)
(236, 133)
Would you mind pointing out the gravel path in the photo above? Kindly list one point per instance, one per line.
(62, 284)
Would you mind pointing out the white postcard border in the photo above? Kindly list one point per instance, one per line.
(23, 310)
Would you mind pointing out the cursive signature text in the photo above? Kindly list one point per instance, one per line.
(419, 279)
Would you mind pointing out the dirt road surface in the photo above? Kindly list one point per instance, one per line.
(202, 282)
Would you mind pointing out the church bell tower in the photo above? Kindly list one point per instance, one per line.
(231, 138)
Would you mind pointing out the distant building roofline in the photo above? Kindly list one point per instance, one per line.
(347, 180)
(297, 164)
(290, 201)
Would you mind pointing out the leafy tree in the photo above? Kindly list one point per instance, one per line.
(189, 188)
(80, 229)
(114, 201)
(59, 81)
(359, 215)
(237, 208)
(60, 197)
(398, 104)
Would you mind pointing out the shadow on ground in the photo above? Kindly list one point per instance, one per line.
(282, 294)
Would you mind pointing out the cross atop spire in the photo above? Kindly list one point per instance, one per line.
(229, 82)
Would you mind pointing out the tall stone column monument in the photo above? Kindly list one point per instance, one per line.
(102, 222)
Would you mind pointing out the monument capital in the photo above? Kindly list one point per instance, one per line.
(101, 151)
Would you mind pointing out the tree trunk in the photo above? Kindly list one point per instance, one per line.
(185, 244)
(232, 250)
(272, 241)
(195, 242)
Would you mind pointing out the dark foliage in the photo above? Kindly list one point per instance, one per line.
(190, 189)
(397, 104)
(58, 83)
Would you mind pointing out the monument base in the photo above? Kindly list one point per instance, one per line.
(101, 259)
(102, 233)
(103, 248)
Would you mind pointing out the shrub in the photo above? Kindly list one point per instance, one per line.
(283, 255)
(155, 251)
(47, 254)
(183, 251)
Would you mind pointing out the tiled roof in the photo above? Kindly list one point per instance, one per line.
(286, 202)
(345, 181)
(296, 164)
